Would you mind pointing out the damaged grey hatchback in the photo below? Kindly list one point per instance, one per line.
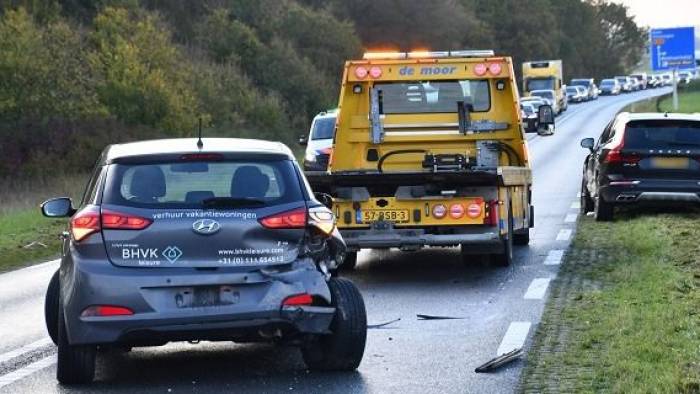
(179, 241)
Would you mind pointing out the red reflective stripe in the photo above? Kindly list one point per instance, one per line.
(299, 299)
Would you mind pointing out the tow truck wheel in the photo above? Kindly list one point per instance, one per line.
(505, 258)
(51, 308)
(349, 262)
(341, 350)
(76, 363)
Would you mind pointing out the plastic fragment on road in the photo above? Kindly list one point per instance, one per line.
(433, 317)
(381, 325)
(499, 361)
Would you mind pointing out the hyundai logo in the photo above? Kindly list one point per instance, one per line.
(206, 226)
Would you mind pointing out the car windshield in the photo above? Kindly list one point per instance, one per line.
(548, 95)
(580, 82)
(540, 84)
(432, 96)
(194, 184)
(323, 128)
(528, 109)
(663, 134)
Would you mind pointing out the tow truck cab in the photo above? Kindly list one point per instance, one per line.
(545, 75)
(430, 151)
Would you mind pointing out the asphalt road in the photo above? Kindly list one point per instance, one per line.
(497, 309)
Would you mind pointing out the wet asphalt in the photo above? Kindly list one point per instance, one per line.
(407, 356)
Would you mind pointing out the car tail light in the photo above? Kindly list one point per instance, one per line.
(106, 310)
(298, 300)
(480, 69)
(456, 211)
(615, 155)
(495, 68)
(474, 210)
(439, 211)
(121, 221)
(375, 72)
(289, 219)
(85, 223)
(361, 72)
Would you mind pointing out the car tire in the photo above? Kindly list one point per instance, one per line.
(349, 262)
(342, 350)
(587, 203)
(505, 258)
(76, 363)
(603, 210)
(51, 307)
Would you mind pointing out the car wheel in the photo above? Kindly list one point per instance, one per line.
(76, 363)
(505, 258)
(341, 350)
(587, 203)
(349, 262)
(51, 307)
(603, 210)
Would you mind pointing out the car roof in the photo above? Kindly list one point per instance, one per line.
(177, 146)
(628, 116)
(327, 114)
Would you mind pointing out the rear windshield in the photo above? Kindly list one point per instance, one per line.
(663, 134)
(540, 84)
(607, 82)
(432, 96)
(580, 82)
(323, 129)
(191, 184)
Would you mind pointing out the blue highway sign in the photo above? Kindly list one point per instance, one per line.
(672, 48)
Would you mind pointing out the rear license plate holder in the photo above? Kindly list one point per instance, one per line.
(670, 163)
(206, 296)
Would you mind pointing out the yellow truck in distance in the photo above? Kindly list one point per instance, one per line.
(429, 150)
(546, 75)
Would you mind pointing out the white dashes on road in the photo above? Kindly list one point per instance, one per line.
(554, 257)
(537, 289)
(515, 337)
(24, 349)
(570, 218)
(26, 371)
(564, 234)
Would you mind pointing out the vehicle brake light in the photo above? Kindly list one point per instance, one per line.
(361, 73)
(439, 211)
(85, 223)
(615, 155)
(289, 219)
(201, 156)
(456, 211)
(120, 221)
(480, 69)
(106, 310)
(298, 300)
(375, 72)
(495, 68)
(492, 214)
(474, 210)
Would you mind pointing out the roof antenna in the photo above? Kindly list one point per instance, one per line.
(200, 144)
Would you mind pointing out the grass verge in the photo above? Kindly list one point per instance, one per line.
(688, 99)
(624, 313)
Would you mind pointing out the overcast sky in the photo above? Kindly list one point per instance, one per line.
(667, 13)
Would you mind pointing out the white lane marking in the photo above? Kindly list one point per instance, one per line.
(570, 218)
(515, 337)
(24, 349)
(26, 371)
(537, 289)
(578, 195)
(554, 257)
(564, 234)
(576, 205)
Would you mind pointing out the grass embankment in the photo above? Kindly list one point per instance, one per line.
(624, 315)
(27, 237)
(688, 101)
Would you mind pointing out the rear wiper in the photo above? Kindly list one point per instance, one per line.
(216, 202)
(693, 143)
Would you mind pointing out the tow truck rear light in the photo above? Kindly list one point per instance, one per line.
(361, 72)
(474, 210)
(106, 310)
(480, 69)
(375, 72)
(495, 68)
(439, 211)
(491, 217)
(456, 211)
(121, 221)
(298, 300)
(85, 223)
(286, 220)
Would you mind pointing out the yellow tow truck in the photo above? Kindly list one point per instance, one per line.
(429, 150)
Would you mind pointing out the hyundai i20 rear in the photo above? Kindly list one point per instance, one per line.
(172, 242)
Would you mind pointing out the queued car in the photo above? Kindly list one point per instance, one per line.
(576, 94)
(684, 77)
(549, 95)
(536, 102)
(651, 158)
(641, 79)
(652, 81)
(625, 83)
(610, 86)
(319, 143)
(185, 240)
(529, 114)
(588, 84)
(667, 78)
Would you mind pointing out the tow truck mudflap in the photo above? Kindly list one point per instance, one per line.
(416, 238)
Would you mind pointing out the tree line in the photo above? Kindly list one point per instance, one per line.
(80, 74)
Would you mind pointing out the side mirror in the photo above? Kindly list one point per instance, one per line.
(324, 199)
(588, 143)
(57, 208)
(302, 140)
(545, 118)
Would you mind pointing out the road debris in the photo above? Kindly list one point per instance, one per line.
(34, 244)
(499, 361)
(382, 325)
(432, 317)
